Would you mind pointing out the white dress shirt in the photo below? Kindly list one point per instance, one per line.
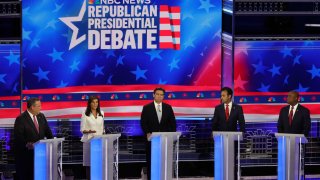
(91, 123)
(294, 109)
(157, 109)
(31, 115)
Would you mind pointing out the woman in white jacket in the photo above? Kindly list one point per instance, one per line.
(92, 124)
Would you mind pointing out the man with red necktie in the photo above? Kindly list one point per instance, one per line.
(294, 118)
(29, 127)
(228, 114)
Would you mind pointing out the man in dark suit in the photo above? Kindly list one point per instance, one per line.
(29, 127)
(228, 114)
(294, 118)
(226, 117)
(156, 116)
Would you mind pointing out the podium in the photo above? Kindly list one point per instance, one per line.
(290, 156)
(104, 156)
(48, 159)
(224, 154)
(162, 149)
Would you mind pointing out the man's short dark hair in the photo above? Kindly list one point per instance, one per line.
(32, 101)
(159, 89)
(296, 93)
(229, 90)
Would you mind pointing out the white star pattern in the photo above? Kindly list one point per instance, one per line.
(68, 21)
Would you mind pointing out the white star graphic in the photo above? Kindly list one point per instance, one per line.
(68, 21)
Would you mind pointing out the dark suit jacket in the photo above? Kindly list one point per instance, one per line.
(150, 123)
(219, 122)
(24, 132)
(149, 119)
(301, 121)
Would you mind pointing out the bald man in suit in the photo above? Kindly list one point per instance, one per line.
(294, 118)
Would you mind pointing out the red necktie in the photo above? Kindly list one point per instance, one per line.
(291, 116)
(227, 112)
(36, 123)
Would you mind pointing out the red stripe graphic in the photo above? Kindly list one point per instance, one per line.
(173, 9)
(9, 113)
(164, 8)
(117, 88)
(169, 21)
(274, 109)
(272, 93)
(169, 33)
(9, 98)
(165, 45)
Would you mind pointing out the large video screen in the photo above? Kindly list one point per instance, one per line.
(9, 82)
(265, 71)
(121, 50)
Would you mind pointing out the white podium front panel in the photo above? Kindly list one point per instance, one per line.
(162, 154)
(104, 156)
(224, 154)
(48, 159)
(290, 156)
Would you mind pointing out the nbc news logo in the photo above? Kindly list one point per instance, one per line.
(94, 2)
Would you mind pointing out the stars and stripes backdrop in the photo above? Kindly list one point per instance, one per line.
(9, 82)
(266, 70)
(124, 78)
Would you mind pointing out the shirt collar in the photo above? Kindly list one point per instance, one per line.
(230, 104)
(295, 106)
(156, 104)
(30, 114)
